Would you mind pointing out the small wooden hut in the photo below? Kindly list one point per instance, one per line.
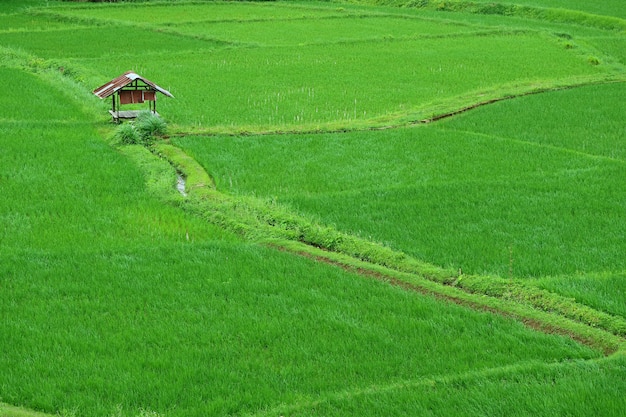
(130, 88)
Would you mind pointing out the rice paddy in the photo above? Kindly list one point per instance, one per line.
(338, 250)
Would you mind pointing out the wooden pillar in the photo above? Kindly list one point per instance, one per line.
(116, 108)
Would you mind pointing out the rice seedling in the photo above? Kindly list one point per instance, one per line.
(115, 303)
(578, 13)
(601, 290)
(185, 12)
(79, 42)
(452, 194)
(545, 389)
(24, 22)
(167, 327)
(593, 116)
(322, 30)
(340, 86)
(613, 46)
(15, 6)
(153, 320)
(30, 96)
(608, 8)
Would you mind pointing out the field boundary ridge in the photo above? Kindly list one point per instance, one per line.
(7, 410)
(425, 382)
(549, 14)
(426, 114)
(267, 222)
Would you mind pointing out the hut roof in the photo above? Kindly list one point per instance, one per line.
(122, 81)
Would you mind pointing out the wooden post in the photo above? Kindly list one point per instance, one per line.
(113, 107)
(116, 108)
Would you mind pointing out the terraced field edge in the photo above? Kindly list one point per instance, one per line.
(267, 222)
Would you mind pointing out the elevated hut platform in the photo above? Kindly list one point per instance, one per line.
(128, 114)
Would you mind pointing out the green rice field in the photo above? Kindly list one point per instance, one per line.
(362, 208)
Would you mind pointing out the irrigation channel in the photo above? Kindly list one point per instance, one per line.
(180, 184)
